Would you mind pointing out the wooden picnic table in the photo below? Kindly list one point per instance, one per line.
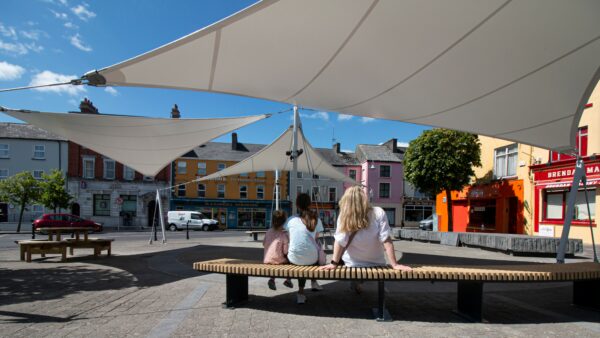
(57, 231)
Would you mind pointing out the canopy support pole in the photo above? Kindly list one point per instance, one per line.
(158, 206)
(294, 172)
(277, 189)
(578, 176)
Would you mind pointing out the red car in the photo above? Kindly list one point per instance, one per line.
(64, 221)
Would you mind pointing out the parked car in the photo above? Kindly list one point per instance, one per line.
(64, 221)
(427, 223)
(179, 219)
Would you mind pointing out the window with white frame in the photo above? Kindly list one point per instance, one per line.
(555, 202)
(201, 168)
(260, 192)
(4, 150)
(298, 174)
(3, 173)
(181, 190)
(39, 151)
(505, 161)
(243, 191)
(109, 169)
(128, 173)
(260, 174)
(220, 190)
(221, 166)
(88, 167)
(332, 194)
(352, 174)
(101, 205)
(384, 190)
(201, 190)
(38, 174)
(181, 167)
(385, 171)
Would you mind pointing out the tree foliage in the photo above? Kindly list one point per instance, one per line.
(53, 193)
(20, 189)
(442, 160)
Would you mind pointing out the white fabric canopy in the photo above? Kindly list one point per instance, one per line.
(142, 143)
(520, 70)
(274, 157)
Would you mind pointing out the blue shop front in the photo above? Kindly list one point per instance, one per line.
(233, 214)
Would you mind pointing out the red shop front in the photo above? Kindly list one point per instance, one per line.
(552, 185)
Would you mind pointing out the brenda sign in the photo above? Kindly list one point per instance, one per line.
(591, 169)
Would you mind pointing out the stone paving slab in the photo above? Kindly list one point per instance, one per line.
(142, 287)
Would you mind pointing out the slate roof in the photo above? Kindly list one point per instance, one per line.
(222, 151)
(382, 153)
(26, 131)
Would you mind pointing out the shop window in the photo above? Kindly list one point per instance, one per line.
(4, 150)
(505, 161)
(129, 206)
(201, 190)
(483, 214)
(201, 168)
(260, 192)
(352, 174)
(332, 194)
(39, 152)
(181, 167)
(109, 169)
(88, 167)
(128, 173)
(243, 191)
(581, 143)
(555, 205)
(220, 190)
(391, 215)
(384, 190)
(181, 190)
(101, 205)
(385, 171)
(38, 174)
(3, 173)
(415, 213)
(251, 218)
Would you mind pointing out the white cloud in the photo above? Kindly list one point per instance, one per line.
(71, 25)
(10, 72)
(31, 35)
(402, 144)
(13, 48)
(8, 31)
(76, 41)
(33, 47)
(344, 117)
(63, 2)
(48, 77)
(316, 115)
(83, 12)
(111, 91)
(60, 15)
(366, 119)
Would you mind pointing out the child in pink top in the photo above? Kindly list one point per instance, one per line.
(276, 246)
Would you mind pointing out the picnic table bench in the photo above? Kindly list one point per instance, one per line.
(32, 246)
(254, 233)
(470, 280)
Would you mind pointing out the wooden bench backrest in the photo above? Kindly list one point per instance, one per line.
(516, 273)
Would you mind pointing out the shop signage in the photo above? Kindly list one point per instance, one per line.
(546, 231)
(592, 169)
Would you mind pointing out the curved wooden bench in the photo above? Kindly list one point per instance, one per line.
(470, 280)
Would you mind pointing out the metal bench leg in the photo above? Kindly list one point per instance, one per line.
(587, 293)
(381, 313)
(470, 300)
(237, 290)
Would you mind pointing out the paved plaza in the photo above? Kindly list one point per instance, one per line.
(151, 291)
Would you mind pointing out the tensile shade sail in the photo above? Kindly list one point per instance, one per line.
(141, 143)
(517, 70)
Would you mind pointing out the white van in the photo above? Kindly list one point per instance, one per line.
(178, 220)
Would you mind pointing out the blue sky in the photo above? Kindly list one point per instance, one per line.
(44, 41)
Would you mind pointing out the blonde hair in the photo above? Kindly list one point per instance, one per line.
(354, 210)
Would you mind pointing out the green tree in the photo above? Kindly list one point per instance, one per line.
(442, 160)
(53, 193)
(20, 189)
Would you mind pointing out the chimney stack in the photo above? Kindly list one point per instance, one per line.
(336, 148)
(392, 145)
(87, 107)
(175, 114)
(234, 141)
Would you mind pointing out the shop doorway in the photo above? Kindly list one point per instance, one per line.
(3, 212)
(75, 209)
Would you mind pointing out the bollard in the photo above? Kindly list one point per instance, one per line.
(32, 232)
(187, 230)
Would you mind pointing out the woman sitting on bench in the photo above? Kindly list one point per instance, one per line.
(364, 233)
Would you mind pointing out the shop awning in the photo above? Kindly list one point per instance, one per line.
(517, 70)
(276, 156)
(556, 185)
(142, 143)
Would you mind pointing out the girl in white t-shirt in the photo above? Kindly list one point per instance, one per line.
(372, 235)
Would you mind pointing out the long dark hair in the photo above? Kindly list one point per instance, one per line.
(308, 217)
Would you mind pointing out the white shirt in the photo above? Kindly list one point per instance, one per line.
(302, 249)
(366, 249)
